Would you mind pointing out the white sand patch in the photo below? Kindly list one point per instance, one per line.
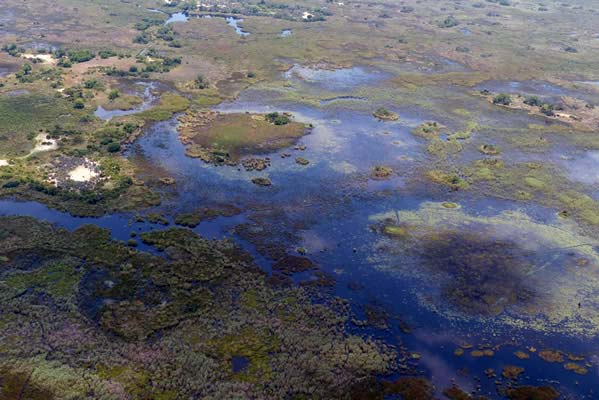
(43, 144)
(82, 174)
(46, 58)
(3, 163)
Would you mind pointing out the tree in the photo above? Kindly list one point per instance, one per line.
(26, 69)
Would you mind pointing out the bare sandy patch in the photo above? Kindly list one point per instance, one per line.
(82, 174)
(46, 58)
(43, 144)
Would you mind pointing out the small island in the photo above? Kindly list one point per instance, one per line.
(385, 115)
(219, 138)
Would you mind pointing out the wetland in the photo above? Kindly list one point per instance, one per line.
(299, 200)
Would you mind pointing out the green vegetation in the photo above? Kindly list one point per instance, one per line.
(21, 117)
(221, 138)
(277, 119)
(201, 82)
(79, 56)
(169, 104)
(502, 99)
(385, 115)
(449, 22)
(114, 94)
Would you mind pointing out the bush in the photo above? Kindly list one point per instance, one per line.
(170, 61)
(382, 111)
(449, 22)
(79, 104)
(91, 84)
(502, 99)
(277, 119)
(201, 82)
(79, 56)
(106, 54)
(547, 109)
(114, 94)
(11, 184)
(113, 147)
(11, 49)
(26, 69)
(141, 39)
(65, 63)
(533, 101)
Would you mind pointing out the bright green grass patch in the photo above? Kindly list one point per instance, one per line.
(125, 102)
(169, 104)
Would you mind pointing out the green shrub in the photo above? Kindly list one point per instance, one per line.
(113, 147)
(277, 119)
(79, 56)
(114, 94)
(449, 22)
(533, 101)
(201, 82)
(79, 104)
(547, 109)
(502, 99)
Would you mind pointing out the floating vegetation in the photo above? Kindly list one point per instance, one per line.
(481, 272)
(381, 172)
(531, 392)
(193, 219)
(261, 181)
(428, 130)
(385, 115)
(489, 149)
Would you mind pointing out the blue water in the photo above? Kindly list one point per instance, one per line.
(339, 79)
(232, 22)
(177, 17)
